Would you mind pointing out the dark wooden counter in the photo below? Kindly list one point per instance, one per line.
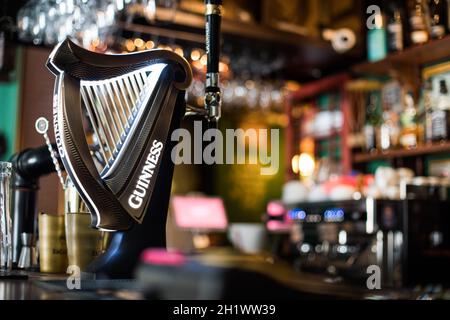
(26, 289)
(53, 287)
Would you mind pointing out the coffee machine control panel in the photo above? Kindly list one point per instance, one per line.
(330, 212)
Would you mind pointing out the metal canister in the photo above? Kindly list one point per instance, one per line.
(52, 244)
(84, 243)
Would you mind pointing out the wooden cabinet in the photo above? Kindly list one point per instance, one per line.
(325, 139)
(410, 67)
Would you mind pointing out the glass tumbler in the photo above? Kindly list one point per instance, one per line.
(5, 216)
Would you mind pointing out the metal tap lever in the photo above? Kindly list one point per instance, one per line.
(41, 126)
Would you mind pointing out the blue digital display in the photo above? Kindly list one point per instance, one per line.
(329, 215)
(297, 214)
(333, 215)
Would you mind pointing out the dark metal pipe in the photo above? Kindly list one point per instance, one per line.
(29, 165)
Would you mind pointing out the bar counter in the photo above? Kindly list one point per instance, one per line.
(40, 286)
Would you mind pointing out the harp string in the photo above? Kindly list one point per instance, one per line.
(103, 125)
(118, 104)
(95, 125)
(103, 104)
(110, 102)
(123, 94)
(112, 106)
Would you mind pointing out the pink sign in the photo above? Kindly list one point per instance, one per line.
(199, 213)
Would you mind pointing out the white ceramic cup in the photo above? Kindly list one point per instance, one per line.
(247, 237)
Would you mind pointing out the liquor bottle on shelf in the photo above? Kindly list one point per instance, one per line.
(440, 114)
(395, 29)
(427, 102)
(389, 131)
(409, 133)
(421, 119)
(376, 40)
(373, 119)
(392, 98)
(419, 21)
(438, 18)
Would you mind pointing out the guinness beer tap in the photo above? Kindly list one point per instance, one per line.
(213, 99)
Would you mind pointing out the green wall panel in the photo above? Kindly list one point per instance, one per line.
(244, 190)
(8, 114)
(9, 97)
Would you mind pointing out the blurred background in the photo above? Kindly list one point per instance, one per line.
(268, 48)
(358, 89)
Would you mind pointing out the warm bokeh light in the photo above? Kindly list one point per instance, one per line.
(129, 44)
(204, 60)
(223, 67)
(307, 145)
(195, 55)
(139, 43)
(201, 241)
(292, 86)
(295, 164)
(306, 165)
(149, 45)
(179, 51)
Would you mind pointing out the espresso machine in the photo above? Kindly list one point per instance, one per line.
(409, 238)
(334, 237)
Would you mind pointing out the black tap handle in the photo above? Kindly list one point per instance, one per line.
(213, 16)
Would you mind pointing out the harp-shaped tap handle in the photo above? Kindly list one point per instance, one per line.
(213, 101)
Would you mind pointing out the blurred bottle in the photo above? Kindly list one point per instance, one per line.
(421, 120)
(438, 18)
(386, 130)
(395, 29)
(373, 119)
(440, 114)
(427, 101)
(419, 21)
(392, 101)
(376, 40)
(409, 133)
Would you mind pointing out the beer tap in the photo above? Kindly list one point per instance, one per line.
(213, 99)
